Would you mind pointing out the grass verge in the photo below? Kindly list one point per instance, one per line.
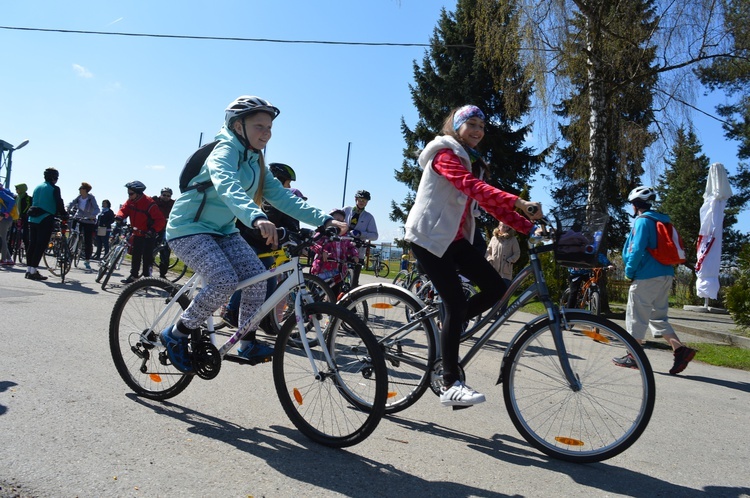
(722, 355)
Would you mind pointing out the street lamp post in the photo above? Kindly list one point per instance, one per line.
(5, 146)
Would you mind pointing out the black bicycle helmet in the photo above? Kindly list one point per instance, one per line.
(248, 104)
(166, 190)
(362, 194)
(282, 172)
(136, 186)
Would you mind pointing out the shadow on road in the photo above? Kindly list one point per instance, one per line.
(339, 471)
(608, 478)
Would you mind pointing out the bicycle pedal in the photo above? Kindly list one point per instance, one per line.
(256, 361)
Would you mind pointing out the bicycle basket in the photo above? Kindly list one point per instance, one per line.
(580, 233)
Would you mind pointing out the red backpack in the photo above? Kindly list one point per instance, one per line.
(670, 250)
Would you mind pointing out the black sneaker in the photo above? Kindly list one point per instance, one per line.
(128, 280)
(626, 361)
(682, 356)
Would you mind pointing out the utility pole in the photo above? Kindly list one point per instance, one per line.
(346, 174)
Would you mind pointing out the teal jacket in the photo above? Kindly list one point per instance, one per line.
(47, 197)
(639, 264)
(235, 181)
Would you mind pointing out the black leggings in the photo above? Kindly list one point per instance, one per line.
(39, 234)
(460, 257)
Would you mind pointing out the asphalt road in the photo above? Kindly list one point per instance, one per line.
(70, 427)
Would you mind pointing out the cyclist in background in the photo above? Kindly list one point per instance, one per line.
(577, 276)
(84, 209)
(104, 229)
(362, 225)
(164, 202)
(331, 255)
(286, 175)
(441, 228)
(209, 241)
(23, 200)
(147, 221)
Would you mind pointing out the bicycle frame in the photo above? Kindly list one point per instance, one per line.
(295, 281)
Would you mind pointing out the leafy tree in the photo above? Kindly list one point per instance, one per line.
(606, 118)
(451, 74)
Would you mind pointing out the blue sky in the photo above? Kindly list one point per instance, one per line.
(110, 109)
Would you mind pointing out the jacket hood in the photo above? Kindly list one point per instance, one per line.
(654, 215)
(22, 188)
(440, 142)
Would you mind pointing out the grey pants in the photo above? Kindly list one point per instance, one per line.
(222, 262)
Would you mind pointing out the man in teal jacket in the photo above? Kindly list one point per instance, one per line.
(47, 202)
(648, 297)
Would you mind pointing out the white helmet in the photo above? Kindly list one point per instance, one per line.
(248, 104)
(644, 194)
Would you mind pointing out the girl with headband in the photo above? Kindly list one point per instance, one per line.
(441, 227)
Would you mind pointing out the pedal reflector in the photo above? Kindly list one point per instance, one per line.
(297, 395)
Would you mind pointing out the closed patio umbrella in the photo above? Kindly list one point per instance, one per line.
(708, 262)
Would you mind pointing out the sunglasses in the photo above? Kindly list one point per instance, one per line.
(131, 193)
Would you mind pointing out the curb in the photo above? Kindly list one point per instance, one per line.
(723, 337)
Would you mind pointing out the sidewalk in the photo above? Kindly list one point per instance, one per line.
(693, 326)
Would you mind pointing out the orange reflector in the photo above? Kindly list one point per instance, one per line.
(381, 306)
(569, 441)
(155, 377)
(595, 335)
(392, 394)
(297, 395)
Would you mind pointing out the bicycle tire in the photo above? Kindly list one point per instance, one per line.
(320, 291)
(594, 304)
(50, 254)
(401, 280)
(103, 266)
(116, 255)
(409, 345)
(74, 247)
(341, 406)
(564, 298)
(382, 269)
(18, 247)
(136, 350)
(601, 420)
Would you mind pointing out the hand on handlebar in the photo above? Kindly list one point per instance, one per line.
(267, 231)
(339, 225)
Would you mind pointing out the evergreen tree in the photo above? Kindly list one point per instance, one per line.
(453, 74)
(680, 189)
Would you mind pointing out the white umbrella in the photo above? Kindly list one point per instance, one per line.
(715, 198)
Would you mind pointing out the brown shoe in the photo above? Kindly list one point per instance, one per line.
(682, 356)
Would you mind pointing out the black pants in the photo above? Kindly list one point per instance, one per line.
(39, 234)
(87, 234)
(164, 254)
(460, 257)
(142, 252)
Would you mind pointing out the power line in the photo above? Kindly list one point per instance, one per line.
(227, 38)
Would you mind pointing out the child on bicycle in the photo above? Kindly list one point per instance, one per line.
(577, 276)
(201, 230)
(331, 256)
(441, 228)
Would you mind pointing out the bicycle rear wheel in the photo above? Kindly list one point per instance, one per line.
(594, 305)
(134, 330)
(601, 420)
(319, 290)
(408, 343)
(339, 406)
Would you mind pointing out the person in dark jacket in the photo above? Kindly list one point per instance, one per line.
(104, 229)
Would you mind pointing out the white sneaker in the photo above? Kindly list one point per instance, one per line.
(459, 394)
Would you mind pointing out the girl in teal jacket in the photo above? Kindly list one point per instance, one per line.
(201, 228)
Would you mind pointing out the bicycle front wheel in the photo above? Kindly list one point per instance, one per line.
(117, 253)
(134, 330)
(594, 302)
(408, 342)
(340, 405)
(602, 419)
